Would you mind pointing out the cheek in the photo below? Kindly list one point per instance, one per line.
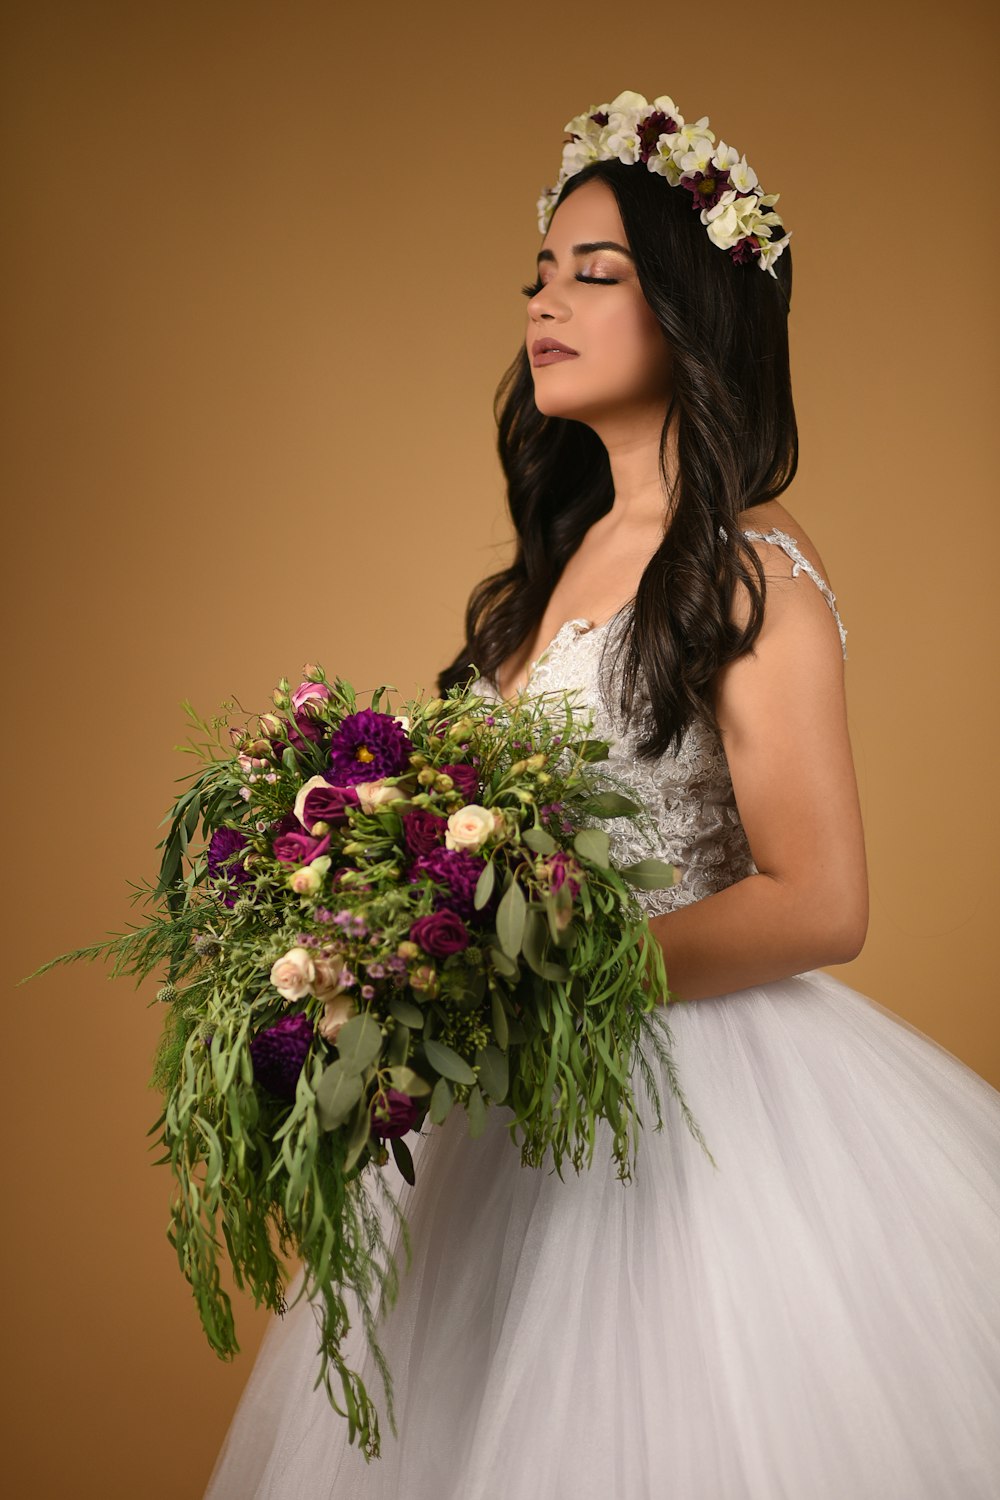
(639, 348)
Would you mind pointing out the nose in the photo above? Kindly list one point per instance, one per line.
(539, 307)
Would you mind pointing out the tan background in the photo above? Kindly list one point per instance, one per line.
(261, 271)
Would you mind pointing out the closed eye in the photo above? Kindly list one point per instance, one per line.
(532, 289)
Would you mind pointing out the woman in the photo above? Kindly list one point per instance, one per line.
(817, 1315)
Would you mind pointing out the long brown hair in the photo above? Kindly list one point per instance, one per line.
(737, 446)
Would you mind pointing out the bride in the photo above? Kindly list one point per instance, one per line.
(816, 1316)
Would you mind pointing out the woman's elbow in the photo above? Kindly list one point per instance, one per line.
(846, 926)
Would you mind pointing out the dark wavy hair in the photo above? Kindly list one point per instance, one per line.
(727, 329)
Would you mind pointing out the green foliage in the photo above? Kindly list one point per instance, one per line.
(546, 1013)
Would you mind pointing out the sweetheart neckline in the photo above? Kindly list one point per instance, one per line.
(592, 629)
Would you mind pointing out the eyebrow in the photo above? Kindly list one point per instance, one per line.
(588, 248)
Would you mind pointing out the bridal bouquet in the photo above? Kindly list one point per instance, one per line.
(387, 917)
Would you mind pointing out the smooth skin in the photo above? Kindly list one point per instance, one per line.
(781, 709)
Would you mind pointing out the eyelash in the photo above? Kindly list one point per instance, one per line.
(532, 290)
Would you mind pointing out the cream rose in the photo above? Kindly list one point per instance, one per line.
(293, 974)
(303, 792)
(469, 827)
(306, 881)
(374, 794)
(336, 1012)
(327, 981)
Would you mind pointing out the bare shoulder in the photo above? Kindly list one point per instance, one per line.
(796, 609)
(773, 516)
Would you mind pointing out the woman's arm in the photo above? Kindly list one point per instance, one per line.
(782, 715)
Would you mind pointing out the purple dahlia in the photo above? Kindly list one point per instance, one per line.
(457, 871)
(367, 746)
(278, 1053)
(225, 844)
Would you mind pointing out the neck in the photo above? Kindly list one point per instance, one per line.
(633, 444)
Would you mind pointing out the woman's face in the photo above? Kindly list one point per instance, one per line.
(588, 298)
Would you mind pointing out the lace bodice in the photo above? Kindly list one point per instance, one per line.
(694, 822)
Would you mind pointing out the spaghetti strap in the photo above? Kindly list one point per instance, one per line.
(802, 564)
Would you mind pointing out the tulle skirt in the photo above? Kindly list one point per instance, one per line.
(816, 1317)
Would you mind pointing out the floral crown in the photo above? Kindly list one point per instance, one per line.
(737, 215)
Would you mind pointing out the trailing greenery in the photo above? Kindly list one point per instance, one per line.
(326, 990)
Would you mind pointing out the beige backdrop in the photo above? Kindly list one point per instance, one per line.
(261, 277)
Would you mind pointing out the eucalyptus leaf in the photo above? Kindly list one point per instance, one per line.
(408, 1082)
(504, 965)
(592, 844)
(446, 1061)
(494, 1076)
(476, 1110)
(337, 1093)
(484, 886)
(442, 1100)
(510, 919)
(406, 1011)
(533, 942)
(539, 840)
(610, 805)
(398, 1047)
(404, 1161)
(361, 1129)
(650, 874)
(359, 1043)
(499, 1017)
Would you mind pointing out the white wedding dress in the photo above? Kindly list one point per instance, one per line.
(815, 1318)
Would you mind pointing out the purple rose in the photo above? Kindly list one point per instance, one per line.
(328, 804)
(299, 848)
(423, 831)
(404, 1114)
(311, 729)
(441, 933)
(278, 1053)
(466, 780)
(226, 845)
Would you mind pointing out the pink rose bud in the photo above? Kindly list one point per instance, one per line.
(270, 727)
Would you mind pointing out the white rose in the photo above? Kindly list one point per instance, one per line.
(336, 1012)
(303, 792)
(374, 794)
(293, 974)
(469, 827)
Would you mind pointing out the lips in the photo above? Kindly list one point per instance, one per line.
(550, 346)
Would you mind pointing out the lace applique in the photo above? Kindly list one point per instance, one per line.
(693, 821)
(802, 564)
(692, 818)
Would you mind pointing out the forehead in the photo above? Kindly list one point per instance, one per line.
(588, 213)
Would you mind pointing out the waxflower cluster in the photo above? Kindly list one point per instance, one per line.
(390, 916)
(737, 214)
